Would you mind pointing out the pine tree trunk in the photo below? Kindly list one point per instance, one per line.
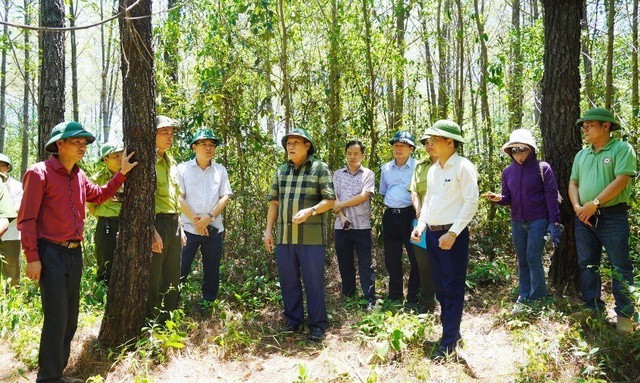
(26, 95)
(370, 90)
(515, 78)
(3, 77)
(74, 60)
(611, 14)
(335, 132)
(443, 64)
(635, 102)
(459, 103)
(284, 67)
(129, 284)
(51, 94)
(560, 110)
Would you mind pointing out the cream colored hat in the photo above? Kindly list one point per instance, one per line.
(519, 137)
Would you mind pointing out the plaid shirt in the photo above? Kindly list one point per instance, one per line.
(349, 185)
(297, 189)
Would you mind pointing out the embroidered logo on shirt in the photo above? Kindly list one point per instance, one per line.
(606, 160)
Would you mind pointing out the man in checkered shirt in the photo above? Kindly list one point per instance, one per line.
(301, 191)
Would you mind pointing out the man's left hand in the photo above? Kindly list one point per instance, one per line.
(446, 240)
(302, 216)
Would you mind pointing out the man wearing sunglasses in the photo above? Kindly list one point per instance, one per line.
(600, 190)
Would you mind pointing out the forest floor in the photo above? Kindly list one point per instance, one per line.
(235, 343)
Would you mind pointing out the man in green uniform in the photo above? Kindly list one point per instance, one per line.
(165, 264)
(108, 212)
(10, 236)
(600, 190)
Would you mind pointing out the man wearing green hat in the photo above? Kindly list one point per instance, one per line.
(108, 212)
(301, 191)
(449, 205)
(10, 243)
(395, 177)
(164, 278)
(205, 193)
(51, 220)
(600, 191)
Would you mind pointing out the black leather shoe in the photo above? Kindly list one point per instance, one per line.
(316, 334)
(288, 327)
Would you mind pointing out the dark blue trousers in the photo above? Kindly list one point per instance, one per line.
(211, 250)
(348, 241)
(449, 271)
(306, 261)
(60, 295)
(396, 230)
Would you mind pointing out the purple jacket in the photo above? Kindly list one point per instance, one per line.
(528, 195)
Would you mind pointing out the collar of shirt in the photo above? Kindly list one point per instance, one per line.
(58, 167)
(452, 161)
(346, 170)
(606, 147)
(309, 160)
(410, 163)
(194, 163)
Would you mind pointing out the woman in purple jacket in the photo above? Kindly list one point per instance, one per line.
(530, 189)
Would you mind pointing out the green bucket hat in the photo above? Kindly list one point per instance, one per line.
(67, 129)
(298, 133)
(599, 114)
(205, 134)
(404, 137)
(4, 158)
(446, 128)
(109, 148)
(166, 122)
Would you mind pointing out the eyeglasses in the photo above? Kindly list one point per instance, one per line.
(520, 149)
(433, 139)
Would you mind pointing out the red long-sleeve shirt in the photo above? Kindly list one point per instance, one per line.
(53, 203)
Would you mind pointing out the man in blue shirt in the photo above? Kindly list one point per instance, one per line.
(395, 177)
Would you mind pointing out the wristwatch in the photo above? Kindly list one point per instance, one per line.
(596, 202)
(314, 211)
(210, 215)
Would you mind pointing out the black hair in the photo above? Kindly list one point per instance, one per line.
(354, 143)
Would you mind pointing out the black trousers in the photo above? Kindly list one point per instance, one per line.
(397, 228)
(60, 295)
(105, 241)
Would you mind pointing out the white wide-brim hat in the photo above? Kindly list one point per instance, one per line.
(519, 137)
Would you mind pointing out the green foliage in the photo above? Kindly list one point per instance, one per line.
(394, 332)
(161, 338)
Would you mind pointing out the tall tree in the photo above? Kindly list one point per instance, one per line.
(108, 73)
(444, 10)
(515, 75)
(560, 110)
(334, 129)
(587, 62)
(3, 75)
(611, 17)
(128, 288)
(370, 94)
(460, 48)
(284, 67)
(26, 94)
(400, 11)
(51, 94)
(73, 16)
(635, 99)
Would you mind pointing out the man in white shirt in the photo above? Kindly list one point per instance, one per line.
(449, 205)
(10, 244)
(205, 193)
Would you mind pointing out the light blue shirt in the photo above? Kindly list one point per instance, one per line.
(394, 183)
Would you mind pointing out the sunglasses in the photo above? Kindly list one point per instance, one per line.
(520, 149)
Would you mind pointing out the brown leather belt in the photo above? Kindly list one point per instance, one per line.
(440, 227)
(67, 244)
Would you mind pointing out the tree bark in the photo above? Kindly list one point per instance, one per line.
(26, 95)
(73, 15)
(459, 103)
(635, 100)
(370, 90)
(515, 77)
(611, 14)
(334, 130)
(108, 74)
(284, 67)
(51, 94)
(129, 284)
(400, 13)
(560, 110)
(443, 63)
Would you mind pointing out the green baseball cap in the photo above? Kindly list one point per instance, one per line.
(205, 134)
(4, 158)
(298, 133)
(599, 114)
(67, 129)
(445, 128)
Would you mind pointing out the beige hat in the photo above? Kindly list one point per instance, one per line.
(519, 137)
(166, 122)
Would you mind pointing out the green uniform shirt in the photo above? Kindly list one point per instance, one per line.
(297, 189)
(167, 186)
(418, 182)
(111, 207)
(594, 171)
(6, 204)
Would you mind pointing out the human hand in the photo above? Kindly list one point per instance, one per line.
(493, 197)
(555, 231)
(416, 234)
(203, 221)
(585, 212)
(268, 240)
(302, 216)
(446, 240)
(126, 165)
(34, 269)
(156, 244)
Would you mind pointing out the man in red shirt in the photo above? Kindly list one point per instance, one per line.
(51, 220)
